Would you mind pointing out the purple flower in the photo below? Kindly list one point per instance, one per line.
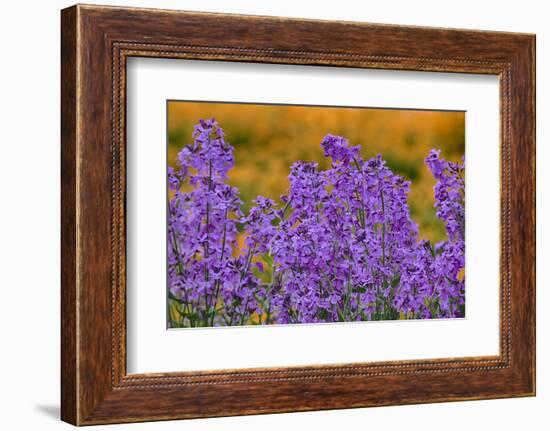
(340, 246)
(449, 193)
(337, 147)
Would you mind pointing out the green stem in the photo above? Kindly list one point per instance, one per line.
(383, 228)
(218, 283)
(206, 248)
(362, 212)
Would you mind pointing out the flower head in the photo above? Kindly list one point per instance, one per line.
(338, 148)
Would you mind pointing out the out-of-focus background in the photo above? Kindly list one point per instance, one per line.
(269, 138)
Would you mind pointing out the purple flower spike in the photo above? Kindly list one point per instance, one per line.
(337, 147)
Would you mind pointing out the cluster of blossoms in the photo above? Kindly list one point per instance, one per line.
(340, 246)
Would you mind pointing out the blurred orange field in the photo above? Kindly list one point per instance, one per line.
(269, 138)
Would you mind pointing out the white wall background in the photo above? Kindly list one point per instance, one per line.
(29, 215)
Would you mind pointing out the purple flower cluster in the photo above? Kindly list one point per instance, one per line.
(211, 284)
(340, 246)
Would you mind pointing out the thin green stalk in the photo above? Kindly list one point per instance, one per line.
(362, 212)
(383, 228)
(206, 248)
(217, 284)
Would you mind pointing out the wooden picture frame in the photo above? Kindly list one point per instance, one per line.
(95, 43)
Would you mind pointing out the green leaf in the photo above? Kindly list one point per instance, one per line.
(268, 259)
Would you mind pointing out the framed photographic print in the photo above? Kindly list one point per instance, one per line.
(329, 214)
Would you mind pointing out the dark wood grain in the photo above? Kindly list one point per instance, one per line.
(69, 397)
(96, 41)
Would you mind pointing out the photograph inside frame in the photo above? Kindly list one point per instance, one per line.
(292, 214)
